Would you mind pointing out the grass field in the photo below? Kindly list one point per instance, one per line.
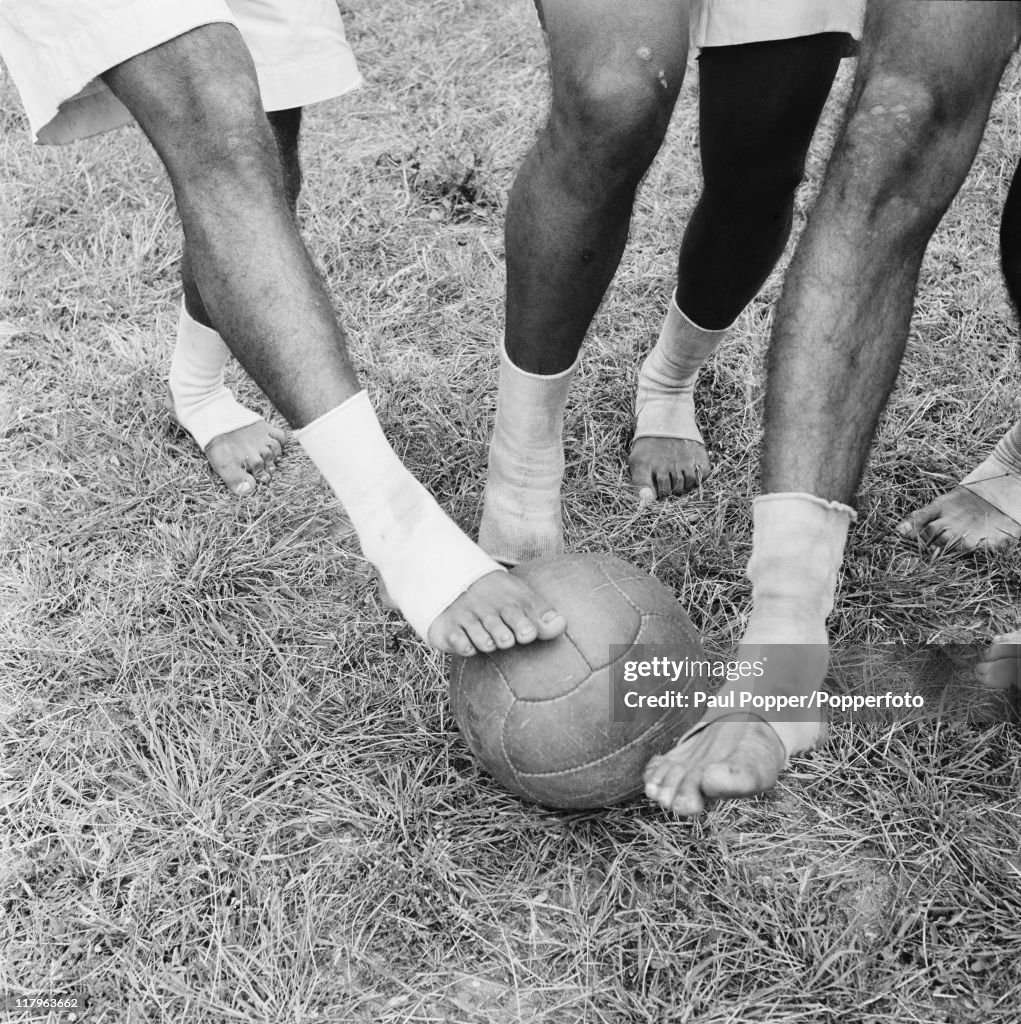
(230, 786)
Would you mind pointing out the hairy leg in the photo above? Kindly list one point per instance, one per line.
(983, 512)
(240, 446)
(759, 104)
(926, 81)
(197, 99)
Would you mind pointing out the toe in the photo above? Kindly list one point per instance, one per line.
(664, 484)
(244, 487)
(236, 477)
(496, 629)
(666, 782)
(273, 449)
(688, 801)
(550, 623)
(654, 772)
(933, 533)
(456, 641)
(480, 636)
(520, 624)
(688, 482)
(909, 527)
(641, 481)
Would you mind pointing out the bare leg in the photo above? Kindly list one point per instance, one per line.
(754, 139)
(924, 87)
(983, 513)
(197, 99)
(243, 454)
(616, 71)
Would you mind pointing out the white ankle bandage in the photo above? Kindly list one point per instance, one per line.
(997, 480)
(202, 404)
(425, 561)
(665, 397)
(797, 550)
(521, 510)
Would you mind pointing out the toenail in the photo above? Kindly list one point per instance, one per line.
(550, 616)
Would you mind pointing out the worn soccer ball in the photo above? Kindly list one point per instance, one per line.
(549, 719)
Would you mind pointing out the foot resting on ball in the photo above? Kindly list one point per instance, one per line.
(452, 593)
(668, 453)
(798, 546)
(983, 513)
(240, 446)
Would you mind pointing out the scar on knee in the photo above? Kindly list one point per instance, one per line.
(645, 54)
(879, 109)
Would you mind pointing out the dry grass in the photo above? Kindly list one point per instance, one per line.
(230, 785)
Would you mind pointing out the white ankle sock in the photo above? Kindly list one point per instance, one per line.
(521, 508)
(202, 404)
(425, 561)
(665, 397)
(997, 480)
(797, 550)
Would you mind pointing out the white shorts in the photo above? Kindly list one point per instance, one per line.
(732, 22)
(56, 49)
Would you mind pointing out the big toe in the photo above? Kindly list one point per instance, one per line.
(235, 476)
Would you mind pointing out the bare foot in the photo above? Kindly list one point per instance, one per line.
(981, 513)
(732, 757)
(662, 466)
(497, 611)
(244, 457)
(961, 520)
(736, 754)
(1000, 667)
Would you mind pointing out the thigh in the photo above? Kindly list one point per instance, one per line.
(759, 102)
(57, 50)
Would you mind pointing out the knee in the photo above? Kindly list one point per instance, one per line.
(907, 146)
(226, 141)
(611, 121)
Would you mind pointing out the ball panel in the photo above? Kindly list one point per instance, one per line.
(670, 631)
(541, 671)
(542, 717)
(612, 780)
(652, 597)
(480, 701)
